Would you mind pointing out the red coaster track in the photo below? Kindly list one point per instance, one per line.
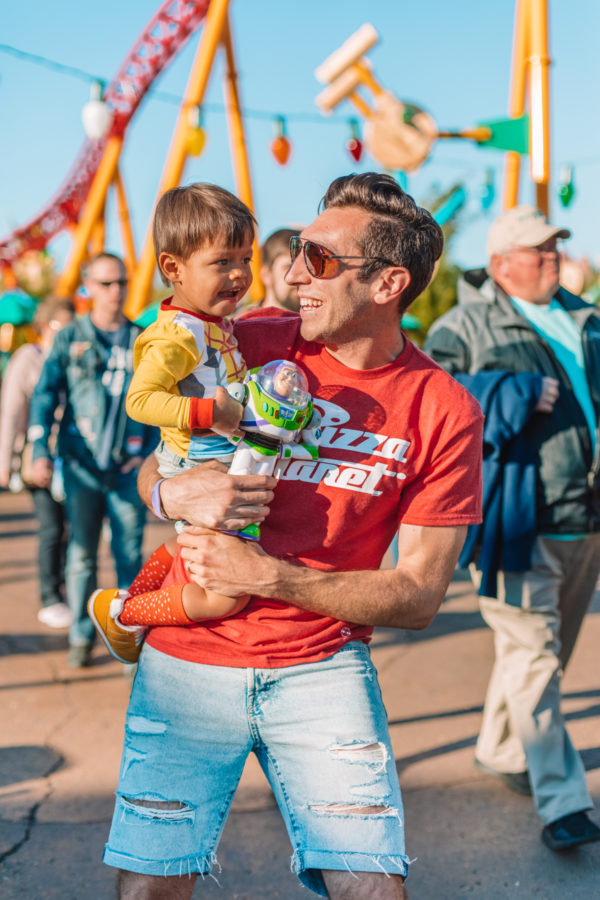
(164, 35)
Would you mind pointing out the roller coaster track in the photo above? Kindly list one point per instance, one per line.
(162, 38)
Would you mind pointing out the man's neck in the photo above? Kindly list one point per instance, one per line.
(364, 353)
(107, 322)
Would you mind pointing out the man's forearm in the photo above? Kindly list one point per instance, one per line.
(406, 597)
(385, 597)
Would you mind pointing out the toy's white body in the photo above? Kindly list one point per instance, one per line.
(279, 421)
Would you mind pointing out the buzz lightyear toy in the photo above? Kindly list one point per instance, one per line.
(279, 422)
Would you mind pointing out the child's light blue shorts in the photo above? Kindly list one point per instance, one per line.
(319, 731)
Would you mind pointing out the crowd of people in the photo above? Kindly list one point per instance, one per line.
(481, 449)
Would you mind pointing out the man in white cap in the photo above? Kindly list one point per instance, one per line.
(530, 352)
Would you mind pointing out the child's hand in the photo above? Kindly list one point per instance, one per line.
(226, 414)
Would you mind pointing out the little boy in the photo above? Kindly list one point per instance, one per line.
(203, 244)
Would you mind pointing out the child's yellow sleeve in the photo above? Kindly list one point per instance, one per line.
(161, 361)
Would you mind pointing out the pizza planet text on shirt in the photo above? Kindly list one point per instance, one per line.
(340, 473)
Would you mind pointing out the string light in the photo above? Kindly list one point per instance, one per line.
(249, 113)
(280, 146)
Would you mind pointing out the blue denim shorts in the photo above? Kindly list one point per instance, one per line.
(319, 731)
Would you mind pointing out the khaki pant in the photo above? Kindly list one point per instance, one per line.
(536, 620)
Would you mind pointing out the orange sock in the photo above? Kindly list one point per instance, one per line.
(162, 607)
(152, 574)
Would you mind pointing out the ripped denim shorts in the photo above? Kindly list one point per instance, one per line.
(319, 731)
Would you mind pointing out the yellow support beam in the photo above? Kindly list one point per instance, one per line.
(213, 29)
(125, 224)
(92, 213)
(516, 106)
(239, 153)
(539, 79)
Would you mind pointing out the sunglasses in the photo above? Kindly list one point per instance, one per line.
(319, 261)
(122, 282)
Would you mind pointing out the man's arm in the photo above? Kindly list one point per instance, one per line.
(207, 496)
(408, 596)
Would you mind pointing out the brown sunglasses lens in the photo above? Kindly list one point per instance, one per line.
(314, 257)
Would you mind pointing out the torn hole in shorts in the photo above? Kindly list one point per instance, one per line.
(353, 809)
(373, 754)
(144, 725)
(161, 810)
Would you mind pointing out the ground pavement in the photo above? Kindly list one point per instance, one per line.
(61, 734)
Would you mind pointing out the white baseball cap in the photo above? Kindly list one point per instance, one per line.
(521, 226)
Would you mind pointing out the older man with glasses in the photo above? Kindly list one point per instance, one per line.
(88, 371)
(530, 352)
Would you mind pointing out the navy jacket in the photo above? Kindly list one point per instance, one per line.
(505, 538)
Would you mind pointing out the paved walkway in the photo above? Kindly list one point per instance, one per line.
(60, 743)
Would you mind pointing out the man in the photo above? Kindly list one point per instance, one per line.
(290, 678)
(88, 371)
(529, 351)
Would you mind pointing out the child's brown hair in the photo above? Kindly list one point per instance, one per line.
(188, 218)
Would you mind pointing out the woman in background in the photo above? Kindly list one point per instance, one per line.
(20, 379)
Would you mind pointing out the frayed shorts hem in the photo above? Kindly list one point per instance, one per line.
(185, 865)
(308, 864)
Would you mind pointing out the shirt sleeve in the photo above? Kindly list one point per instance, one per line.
(14, 406)
(51, 387)
(448, 492)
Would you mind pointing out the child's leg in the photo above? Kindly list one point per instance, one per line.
(178, 604)
(201, 604)
(153, 572)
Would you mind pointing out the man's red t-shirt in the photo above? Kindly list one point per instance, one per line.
(401, 443)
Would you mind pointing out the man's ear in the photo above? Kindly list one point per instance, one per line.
(390, 284)
(496, 265)
(170, 267)
(265, 275)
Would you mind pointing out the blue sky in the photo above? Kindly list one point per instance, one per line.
(451, 58)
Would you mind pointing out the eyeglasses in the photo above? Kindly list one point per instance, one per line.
(554, 245)
(122, 282)
(318, 259)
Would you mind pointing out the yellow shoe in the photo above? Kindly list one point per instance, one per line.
(123, 641)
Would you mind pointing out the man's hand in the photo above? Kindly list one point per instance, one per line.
(227, 413)
(41, 472)
(549, 395)
(223, 563)
(131, 464)
(207, 496)
(4, 478)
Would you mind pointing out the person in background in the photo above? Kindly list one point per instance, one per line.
(89, 369)
(529, 351)
(281, 298)
(275, 265)
(20, 379)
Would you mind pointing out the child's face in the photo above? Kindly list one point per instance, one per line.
(214, 278)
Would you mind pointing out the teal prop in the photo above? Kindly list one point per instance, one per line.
(508, 134)
(16, 308)
(149, 315)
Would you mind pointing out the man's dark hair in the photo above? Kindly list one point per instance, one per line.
(399, 231)
(188, 218)
(277, 243)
